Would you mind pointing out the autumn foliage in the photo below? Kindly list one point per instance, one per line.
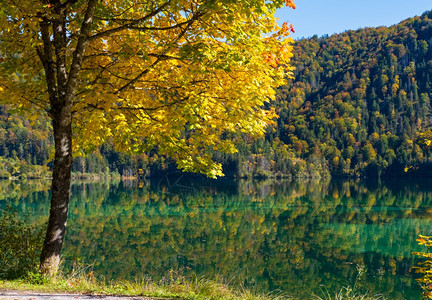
(424, 268)
(168, 75)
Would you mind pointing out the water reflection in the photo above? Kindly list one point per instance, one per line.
(293, 236)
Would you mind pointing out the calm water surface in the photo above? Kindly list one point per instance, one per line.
(297, 237)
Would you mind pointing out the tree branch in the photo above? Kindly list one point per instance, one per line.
(160, 58)
(60, 40)
(45, 54)
(133, 81)
(132, 23)
(142, 28)
(78, 54)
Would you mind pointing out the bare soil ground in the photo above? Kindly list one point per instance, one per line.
(30, 295)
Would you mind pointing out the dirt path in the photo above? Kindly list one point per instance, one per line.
(29, 295)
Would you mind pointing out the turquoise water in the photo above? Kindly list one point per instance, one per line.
(296, 237)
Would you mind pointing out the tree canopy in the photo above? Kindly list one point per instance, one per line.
(176, 75)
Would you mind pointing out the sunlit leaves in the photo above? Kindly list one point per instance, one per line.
(175, 76)
(425, 267)
(290, 3)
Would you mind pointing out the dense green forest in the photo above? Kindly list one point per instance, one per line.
(358, 105)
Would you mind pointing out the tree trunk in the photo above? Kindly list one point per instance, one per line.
(61, 90)
(61, 177)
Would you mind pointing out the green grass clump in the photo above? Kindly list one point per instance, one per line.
(348, 293)
(171, 286)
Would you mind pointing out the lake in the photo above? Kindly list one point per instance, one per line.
(299, 237)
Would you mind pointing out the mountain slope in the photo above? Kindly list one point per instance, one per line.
(361, 99)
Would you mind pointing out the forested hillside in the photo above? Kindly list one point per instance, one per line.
(360, 100)
(359, 105)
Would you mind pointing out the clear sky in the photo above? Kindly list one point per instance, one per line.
(334, 16)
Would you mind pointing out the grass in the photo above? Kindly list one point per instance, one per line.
(348, 293)
(172, 286)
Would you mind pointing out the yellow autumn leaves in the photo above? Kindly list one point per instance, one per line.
(175, 76)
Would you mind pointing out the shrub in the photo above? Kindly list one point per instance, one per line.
(20, 246)
(425, 267)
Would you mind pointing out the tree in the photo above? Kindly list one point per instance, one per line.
(169, 75)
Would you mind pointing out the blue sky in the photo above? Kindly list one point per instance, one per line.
(334, 16)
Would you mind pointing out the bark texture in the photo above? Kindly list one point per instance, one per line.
(50, 258)
(61, 80)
